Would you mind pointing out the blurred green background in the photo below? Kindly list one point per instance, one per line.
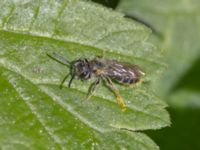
(176, 31)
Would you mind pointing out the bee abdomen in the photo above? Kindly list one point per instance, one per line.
(126, 80)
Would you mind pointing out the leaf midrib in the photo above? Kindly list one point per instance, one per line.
(81, 44)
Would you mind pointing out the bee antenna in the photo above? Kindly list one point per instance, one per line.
(59, 59)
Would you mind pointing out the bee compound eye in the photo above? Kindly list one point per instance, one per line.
(94, 70)
(80, 65)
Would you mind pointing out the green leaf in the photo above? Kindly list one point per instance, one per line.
(178, 24)
(36, 114)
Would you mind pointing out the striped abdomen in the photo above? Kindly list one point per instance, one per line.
(123, 72)
(125, 80)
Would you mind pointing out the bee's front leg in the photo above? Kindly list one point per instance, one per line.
(64, 79)
(92, 88)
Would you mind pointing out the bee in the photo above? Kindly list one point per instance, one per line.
(101, 70)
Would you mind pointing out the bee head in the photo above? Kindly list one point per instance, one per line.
(81, 69)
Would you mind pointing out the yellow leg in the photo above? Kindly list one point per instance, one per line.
(119, 98)
(141, 81)
(121, 103)
(136, 84)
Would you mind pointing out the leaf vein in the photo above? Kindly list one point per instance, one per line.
(6, 19)
(92, 46)
(13, 81)
(35, 15)
(132, 108)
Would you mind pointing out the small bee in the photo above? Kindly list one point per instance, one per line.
(101, 69)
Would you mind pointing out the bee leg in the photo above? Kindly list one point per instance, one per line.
(140, 81)
(70, 81)
(114, 89)
(92, 89)
(64, 79)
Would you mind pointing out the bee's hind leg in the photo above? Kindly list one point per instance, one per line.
(92, 88)
(114, 89)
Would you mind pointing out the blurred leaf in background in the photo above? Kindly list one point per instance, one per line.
(178, 24)
(176, 31)
(36, 114)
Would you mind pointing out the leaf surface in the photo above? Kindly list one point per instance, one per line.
(36, 114)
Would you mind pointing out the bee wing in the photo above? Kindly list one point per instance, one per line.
(121, 70)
